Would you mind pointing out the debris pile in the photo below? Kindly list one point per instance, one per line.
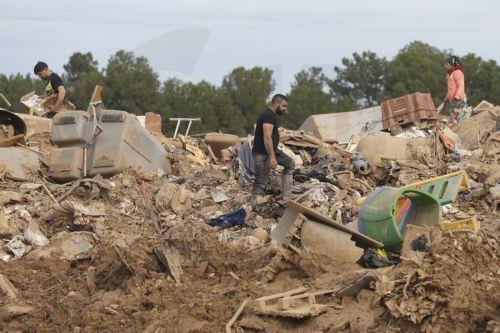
(183, 251)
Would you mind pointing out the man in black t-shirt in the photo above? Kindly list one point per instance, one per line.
(266, 154)
(54, 87)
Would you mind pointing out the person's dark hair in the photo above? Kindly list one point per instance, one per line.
(40, 66)
(278, 97)
(454, 61)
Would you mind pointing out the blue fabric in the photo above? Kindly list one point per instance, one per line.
(229, 220)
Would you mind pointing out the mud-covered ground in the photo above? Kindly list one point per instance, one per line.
(121, 285)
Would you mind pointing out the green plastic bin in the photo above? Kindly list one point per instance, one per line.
(382, 219)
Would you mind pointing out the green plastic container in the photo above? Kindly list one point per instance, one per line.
(381, 218)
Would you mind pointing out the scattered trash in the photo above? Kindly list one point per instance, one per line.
(387, 212)
(468, 225)
(173, 196)
(66, 245)
(365, 229)
(360, 164)
(376, 258)
(8, 197)
(218, 196)
(82, 214)
(34, 236)
(229, 220)
(17, 246)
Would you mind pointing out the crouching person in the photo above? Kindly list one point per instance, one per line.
(266, 155)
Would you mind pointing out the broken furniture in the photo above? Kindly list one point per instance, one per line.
(319, 233)
(387, 211)
(406, 110)
(287, 305)
(444, 188)
(105, 144)
(299, 303)
(179, 120)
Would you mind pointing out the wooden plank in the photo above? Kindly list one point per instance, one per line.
(262, 300)
(96, 97)
(286, 221)
(170, 258)
(285, 303)
(354, 288)
(304, 311)
(358, 237)
(212, 154)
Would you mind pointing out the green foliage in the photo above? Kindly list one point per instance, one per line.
(131, 84)
(82, 75)
(418, 67)
(202, 100)
(482, 79)
(14, 87)
(79, 64)
(80, 91)
(361, 79)
(249, 90)
(307, 97)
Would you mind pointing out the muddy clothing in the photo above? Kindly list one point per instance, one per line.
(266, 117)
(52, 84)
(262, 171)
(458, 112)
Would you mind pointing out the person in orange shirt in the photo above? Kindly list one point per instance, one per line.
(456, 89)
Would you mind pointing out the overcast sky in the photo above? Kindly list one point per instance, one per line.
(205, 39)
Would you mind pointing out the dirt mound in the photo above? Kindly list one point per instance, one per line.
(454, 289)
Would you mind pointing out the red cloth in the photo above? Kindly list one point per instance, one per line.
(457, 67)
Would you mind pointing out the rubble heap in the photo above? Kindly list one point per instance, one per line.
(184, 252)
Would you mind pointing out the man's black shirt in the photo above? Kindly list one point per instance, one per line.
(52, 84)
(266, 117)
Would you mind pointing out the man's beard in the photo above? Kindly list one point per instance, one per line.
(280, 111)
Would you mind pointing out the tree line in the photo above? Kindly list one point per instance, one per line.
(362, 80)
